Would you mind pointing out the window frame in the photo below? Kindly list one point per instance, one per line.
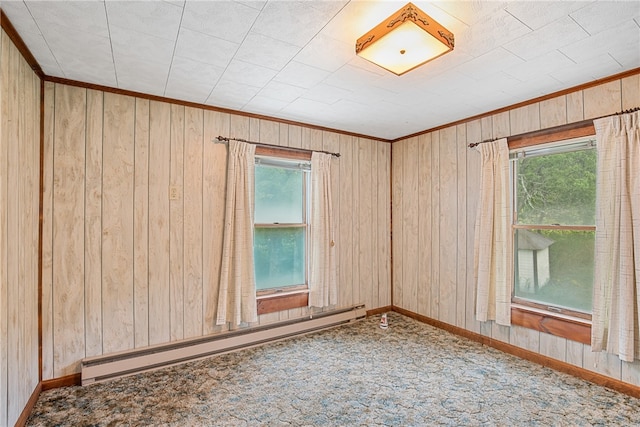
(569, 324)
(282, 298)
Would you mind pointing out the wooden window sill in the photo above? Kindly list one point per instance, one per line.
(574, 329)
(282, 301)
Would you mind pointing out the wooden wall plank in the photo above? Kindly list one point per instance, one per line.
(159, 181)
(410, 219)
(364, 221)
(553, 346)
(36, 125)
(47, 233)
(574, 353)
(345, 238)
(474, 134)
(93, 225)
(631, 372)
(525, 338)
(553, 112)
(448, 226)
(315, 139)
(214, 171)
(254, 129)
(176, 224)
(603, 363)
(5, 82)
(461, 226)
(269, 132)
(575, 107)
(630, 92)
(193, 208)
(117, 222)
(24, 242)
(435, 226)
(397, 190)
(372, 288)
(295, 136)
(283, 134)
(29, 201)
(383, 260)
(602, 100)
(424, 227)
(141, 225)
(19, 190)
(68, 229)
(12, 171)
(501, 123)
(524, 119)
(356, 225)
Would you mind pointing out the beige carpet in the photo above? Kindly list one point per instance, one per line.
(410, 374)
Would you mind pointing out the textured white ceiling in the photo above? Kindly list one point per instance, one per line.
(296, 60)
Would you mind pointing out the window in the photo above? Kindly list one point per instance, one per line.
(281, 230)
(554, 226)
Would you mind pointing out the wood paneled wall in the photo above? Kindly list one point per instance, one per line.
(19, 212)
(125, 266)
(435, 186)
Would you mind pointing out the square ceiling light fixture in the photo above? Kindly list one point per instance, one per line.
(405, 40)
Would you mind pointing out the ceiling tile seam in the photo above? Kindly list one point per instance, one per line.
(519, 20)
(578, 24)
(44, 39)
(293, 59)
(173, 54)
(616, 61)
(113, 58)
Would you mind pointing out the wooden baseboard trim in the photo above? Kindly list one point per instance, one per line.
(379, 310)
(24, 416)
(593, 377)
(66, 381)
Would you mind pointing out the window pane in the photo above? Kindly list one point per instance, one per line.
(279, 257)
(557, 188)
(278, 195)
(555, 267)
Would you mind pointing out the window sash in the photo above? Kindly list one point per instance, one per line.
(305, 167)
(556, 147)
(565, 146)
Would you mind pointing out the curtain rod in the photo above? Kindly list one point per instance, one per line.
(224, 140)
(630, 110)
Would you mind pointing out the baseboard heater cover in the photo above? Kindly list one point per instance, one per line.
(116, 365)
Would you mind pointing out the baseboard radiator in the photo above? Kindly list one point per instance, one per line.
(115, 365)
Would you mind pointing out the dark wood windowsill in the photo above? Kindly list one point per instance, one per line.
(278, 302)
(573, 329)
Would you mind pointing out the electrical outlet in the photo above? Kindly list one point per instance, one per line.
(174, 192)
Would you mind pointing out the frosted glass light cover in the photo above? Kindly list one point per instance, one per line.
(418, 47)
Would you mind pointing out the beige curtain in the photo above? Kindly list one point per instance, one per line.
(237, 292)
(616, 294)
(493, 245)
(322, 268)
